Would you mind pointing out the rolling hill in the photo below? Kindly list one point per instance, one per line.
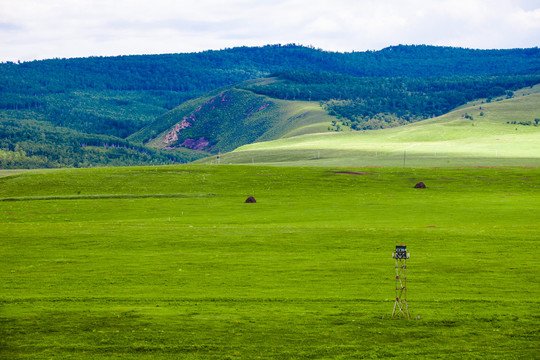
(500, 132)
(296, 103)
(231, 117)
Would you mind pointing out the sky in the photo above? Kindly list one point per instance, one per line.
(42, 29)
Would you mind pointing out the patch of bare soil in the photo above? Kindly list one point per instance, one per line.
(352, 173)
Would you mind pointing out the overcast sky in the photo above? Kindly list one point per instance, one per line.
(39, 29)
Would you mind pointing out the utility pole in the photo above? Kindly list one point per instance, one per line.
(404, 156)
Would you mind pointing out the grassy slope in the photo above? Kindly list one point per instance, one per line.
(229, 118)
(446, 140)
(143, 272)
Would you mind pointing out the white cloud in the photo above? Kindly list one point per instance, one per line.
(66, 28)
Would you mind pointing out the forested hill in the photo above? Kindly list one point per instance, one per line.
(104, 100)
(169, 80)
(205, 71)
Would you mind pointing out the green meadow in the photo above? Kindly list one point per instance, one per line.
(169, 262)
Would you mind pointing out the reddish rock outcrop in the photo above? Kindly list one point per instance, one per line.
(199, 144)
(172, 135)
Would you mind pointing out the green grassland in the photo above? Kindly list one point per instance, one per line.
(494, 136)
(169, 262)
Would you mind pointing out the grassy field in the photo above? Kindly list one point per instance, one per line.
(494, 136)
(169, 262)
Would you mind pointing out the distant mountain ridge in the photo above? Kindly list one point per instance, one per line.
(108, 98)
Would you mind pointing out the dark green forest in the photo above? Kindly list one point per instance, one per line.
(50, 110)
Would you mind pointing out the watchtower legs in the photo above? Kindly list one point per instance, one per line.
(401, 308)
